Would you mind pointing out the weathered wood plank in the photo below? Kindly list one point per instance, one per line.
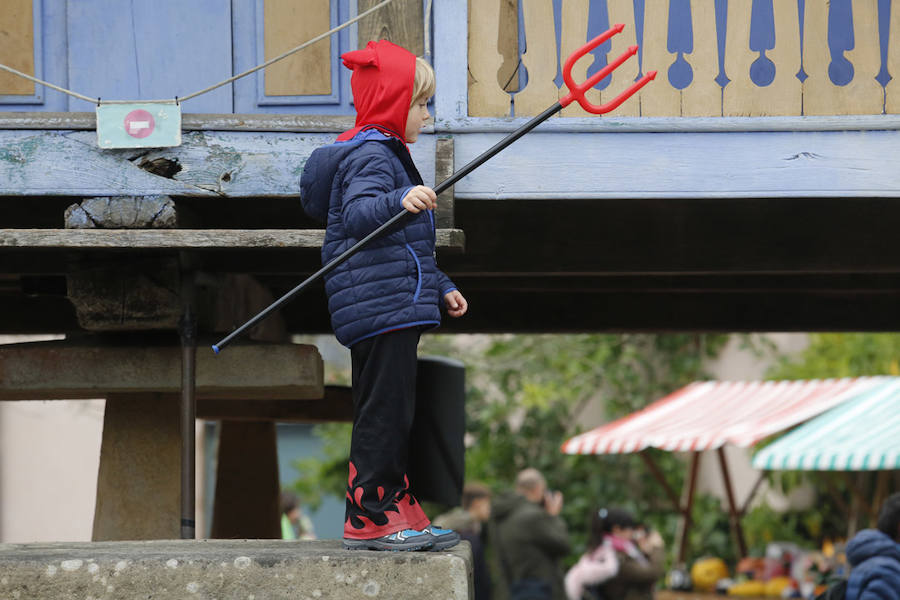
(189, 122)
(783, 96)
(573, 34)
(337, 405)
(451, 58)
(287, 24)
(665, 101)
(125, 212)
(182, 239)
(863, 94)
(67, 370)
(718, 165)
(401, 22)
(892, 89)
(622, 11)
(236, 164)
(540, 59)
(443, 168)
(486, 97)
(17, 32)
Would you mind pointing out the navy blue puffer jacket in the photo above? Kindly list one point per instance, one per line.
(875, 561)
(392, 283)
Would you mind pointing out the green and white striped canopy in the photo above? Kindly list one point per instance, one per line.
(861, 434)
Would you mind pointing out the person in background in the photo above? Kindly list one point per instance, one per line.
(531, 539)
(874, 556)
(597, 565)
(468, 521)
(640, 560)
(294, 524)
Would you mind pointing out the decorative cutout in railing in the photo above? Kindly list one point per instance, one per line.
(715, 57)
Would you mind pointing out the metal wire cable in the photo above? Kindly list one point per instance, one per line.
(177, 99)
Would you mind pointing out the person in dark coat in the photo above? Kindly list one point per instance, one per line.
(468, 521)
(874, 556)
(383, 297)
(531, 538)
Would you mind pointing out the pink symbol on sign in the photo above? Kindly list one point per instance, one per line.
(139, 123)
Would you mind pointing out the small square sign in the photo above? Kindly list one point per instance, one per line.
(139, 125)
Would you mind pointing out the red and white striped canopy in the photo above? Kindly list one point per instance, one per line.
(709, 414)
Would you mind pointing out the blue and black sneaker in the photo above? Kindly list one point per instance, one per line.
(406, 540)
(443, 538)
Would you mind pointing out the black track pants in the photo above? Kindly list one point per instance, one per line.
(384, 399)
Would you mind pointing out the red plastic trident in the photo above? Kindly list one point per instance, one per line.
(576, 92)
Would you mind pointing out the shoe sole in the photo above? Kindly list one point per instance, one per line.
(444, 544)
(382, 546)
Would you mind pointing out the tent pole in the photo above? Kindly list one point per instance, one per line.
(658, 475)
(688, 508)
(878, 498)
(746, 505)
(836, 497)
(732, 508)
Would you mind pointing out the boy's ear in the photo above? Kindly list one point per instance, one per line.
(367, 57)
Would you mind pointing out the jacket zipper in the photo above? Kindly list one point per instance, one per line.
(418, 272)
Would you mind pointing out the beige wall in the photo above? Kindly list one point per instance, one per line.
(49, 454)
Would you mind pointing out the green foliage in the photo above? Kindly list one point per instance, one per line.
(328, 476)
(843, 355)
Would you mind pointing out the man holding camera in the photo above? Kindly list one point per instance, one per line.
(531, 538)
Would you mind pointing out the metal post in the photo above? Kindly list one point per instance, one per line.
(187, 329)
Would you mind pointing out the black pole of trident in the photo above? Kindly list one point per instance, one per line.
(576, 93)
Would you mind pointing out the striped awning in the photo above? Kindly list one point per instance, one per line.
(862, 434)
(707, 415)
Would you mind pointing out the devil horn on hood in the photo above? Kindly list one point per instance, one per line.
(367, 57)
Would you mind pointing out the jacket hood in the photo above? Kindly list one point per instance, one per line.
(871, 542)
(504, 504)
(382, 83)
(322, 166)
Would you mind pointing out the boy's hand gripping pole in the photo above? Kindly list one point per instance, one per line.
(576, 93)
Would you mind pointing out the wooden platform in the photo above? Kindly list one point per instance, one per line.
(183, 239)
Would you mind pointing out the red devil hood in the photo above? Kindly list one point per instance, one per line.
(382, 83)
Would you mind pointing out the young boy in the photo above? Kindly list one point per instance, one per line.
(383, 297)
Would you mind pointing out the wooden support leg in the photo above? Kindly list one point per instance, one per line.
(138, 485)
(685, 528)
(733, 514)
(247, 485)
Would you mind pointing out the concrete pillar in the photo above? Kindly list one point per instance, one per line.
(139, 481)
(247, 484)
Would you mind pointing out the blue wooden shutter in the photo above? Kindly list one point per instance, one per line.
(141, 50)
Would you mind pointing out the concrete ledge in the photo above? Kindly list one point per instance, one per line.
(69, 369)
(230, 569)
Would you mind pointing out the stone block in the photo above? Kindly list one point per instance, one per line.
(230, 570)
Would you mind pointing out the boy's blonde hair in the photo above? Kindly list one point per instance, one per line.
(423, 84)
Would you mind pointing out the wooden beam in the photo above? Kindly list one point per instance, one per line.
(183, 239)
(685, 165)
(73, 369)
(189, 122)
(212, 164)
(337, 405)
